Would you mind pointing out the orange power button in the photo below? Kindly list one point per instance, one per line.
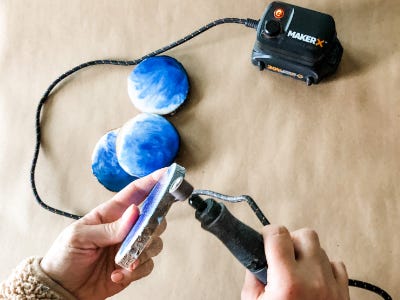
(279, 13)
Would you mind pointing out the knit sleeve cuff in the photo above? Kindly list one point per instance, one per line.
(29, 281)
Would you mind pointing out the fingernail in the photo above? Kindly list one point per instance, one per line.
(135, 264)
(117, 277)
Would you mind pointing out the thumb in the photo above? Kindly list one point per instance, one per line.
(108, 234)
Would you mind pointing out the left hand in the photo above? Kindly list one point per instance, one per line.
(82, 257)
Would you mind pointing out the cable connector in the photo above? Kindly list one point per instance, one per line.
(251, 23)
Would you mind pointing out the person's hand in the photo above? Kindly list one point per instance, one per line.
(298, 268)
(82, 257)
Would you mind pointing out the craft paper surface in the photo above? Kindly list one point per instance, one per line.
(325, 156)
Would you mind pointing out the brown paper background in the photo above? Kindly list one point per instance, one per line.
(325, 157)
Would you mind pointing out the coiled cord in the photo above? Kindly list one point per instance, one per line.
(248, 23)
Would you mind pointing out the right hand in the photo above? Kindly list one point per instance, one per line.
(298, 268)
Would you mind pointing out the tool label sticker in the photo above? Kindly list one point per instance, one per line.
(285, 72)
(306, 38)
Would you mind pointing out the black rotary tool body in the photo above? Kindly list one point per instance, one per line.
(243, 242)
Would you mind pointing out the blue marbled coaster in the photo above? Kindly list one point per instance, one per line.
(146, 143)
(105, 165)
(158, 85)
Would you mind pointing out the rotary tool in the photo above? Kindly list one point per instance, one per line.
(245, 243)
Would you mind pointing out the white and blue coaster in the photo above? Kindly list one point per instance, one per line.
(105, 165)
(158, 85)
(147, 143)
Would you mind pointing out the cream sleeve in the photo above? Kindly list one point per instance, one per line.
(29, 281)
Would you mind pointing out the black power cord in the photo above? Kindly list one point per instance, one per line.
(248, 23)
(370, 287)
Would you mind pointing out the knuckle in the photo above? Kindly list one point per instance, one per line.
(310, 234)
(72, 234)
(292, 287)
(342, 265)
(110, 229)
(272, 230)
(319, 284)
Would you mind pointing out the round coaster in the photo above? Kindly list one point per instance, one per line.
(105, 165)
(158, 85)
(146, 143)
